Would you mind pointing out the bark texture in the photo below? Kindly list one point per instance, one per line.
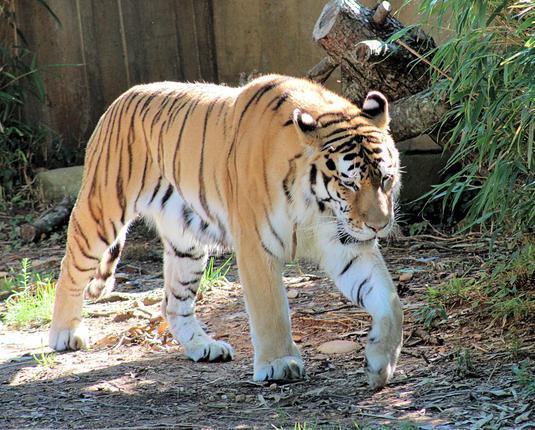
(356, 38)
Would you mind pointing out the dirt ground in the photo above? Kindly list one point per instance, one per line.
(457, 375)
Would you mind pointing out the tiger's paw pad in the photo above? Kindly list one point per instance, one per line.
(212, 351)
(68, 338)
(282, 369)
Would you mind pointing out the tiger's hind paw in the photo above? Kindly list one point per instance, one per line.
(68, 338)
(281, 369)
(98, 287)
(212, 351)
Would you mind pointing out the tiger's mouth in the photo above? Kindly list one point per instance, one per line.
(347, 235)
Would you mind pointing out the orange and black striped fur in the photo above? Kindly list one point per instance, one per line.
(248, 168)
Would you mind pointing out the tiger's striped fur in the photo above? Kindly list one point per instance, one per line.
(243, 168)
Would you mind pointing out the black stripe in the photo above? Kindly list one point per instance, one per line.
(142, 187)
(166, 196)
(122, 199)
(359, 299)
(180, 254)
(156, 189)
(264, 246)
(185, 315)
(335, 139)
(313, 174)
(186, 283)
(84, 252)
(176, 167)
(345, 147)
(256, 98)
(342, 129)
(289, 179)
(202, 191)
(348, 265)
(183, 299)
(287, 123)
(280, 101)
(187, 215)
(272, 229)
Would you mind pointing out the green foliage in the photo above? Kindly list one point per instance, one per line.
(214, 276)
(33, 301)
(490, 59)
(506, 293)
(430, 315)
(511, 287)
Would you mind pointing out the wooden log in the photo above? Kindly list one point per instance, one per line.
(416, 114)
(383, 10)
(321, 71)
(49, 221)
(342, 28)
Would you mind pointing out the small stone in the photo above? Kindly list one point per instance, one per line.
(273, 386)
(337, 347)
(405, 277)
(293, 294)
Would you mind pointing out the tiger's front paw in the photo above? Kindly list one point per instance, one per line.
(61, 339)
(281, 369)
(381, 360)
(211, 350)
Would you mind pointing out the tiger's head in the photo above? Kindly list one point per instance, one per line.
(354, 170)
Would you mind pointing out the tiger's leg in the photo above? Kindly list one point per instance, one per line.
(184, 261)
(92, 251)
(183, 269)
(276, 356)
(361, 275)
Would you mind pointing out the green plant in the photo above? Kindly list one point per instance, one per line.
(430, 315)
(33, 302)
(212, 277)
(510, 288)
(525, 377)
(454, 292)
(418, 227)
(489, 60)
(464, 362)
(44, 359)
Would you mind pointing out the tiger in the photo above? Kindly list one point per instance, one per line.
(278, 169)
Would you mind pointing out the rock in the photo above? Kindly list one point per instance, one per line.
(405, 277)
(337, 347)
(293, 294)
(55, 184)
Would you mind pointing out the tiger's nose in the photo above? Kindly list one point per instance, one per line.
(375, 227)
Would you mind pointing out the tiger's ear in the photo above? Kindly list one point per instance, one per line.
(304, 121)
(375, 107)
